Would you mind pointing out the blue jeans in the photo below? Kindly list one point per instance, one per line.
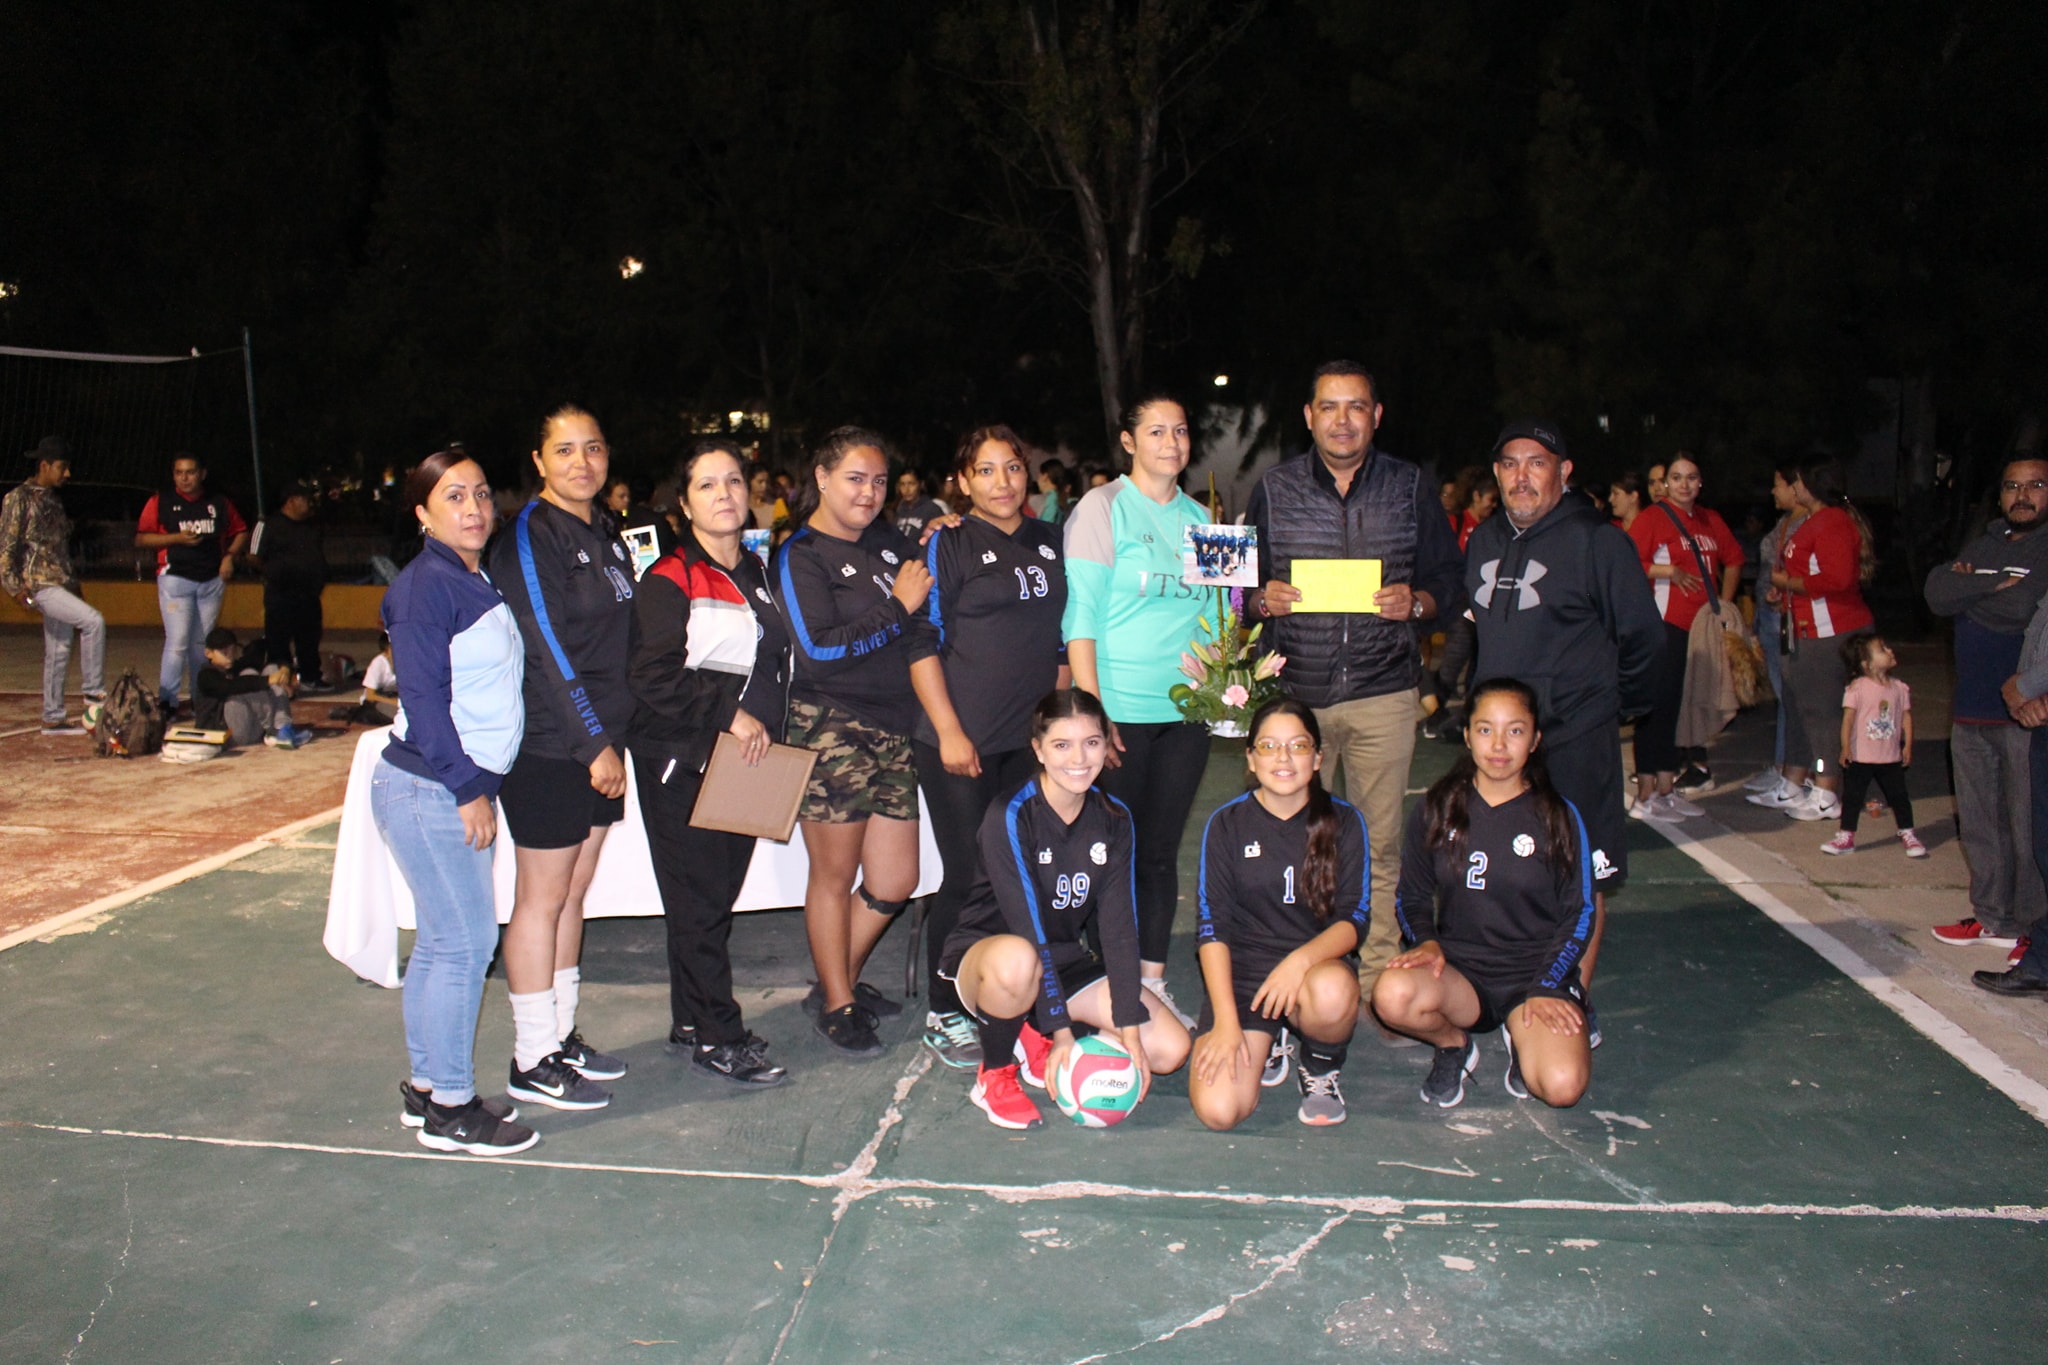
(64, 612)
(458, 926)
(1767, 619)
(189, 610)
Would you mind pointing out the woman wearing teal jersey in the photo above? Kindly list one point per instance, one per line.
(1128, 619)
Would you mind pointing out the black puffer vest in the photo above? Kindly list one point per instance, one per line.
(1333, 658)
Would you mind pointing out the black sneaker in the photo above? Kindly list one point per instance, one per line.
(1592, 1026)
(2014, 982)
(683, 1036)
(848, 1029)
(595, 1065)
(1445, 1087)
(1512, 1082)
(472, 1128)
(814, 1003)
(738, 1063)
(415, 1101)
(1694, 779)
(555, 1083)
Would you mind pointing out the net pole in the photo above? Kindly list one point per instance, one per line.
(255, 449)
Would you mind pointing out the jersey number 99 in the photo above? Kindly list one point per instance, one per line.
(1069, 890)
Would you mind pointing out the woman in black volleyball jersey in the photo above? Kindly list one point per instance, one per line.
(1495, 903)
(999, 590)
(1049, 935)
(854, 589)
(1284, 900)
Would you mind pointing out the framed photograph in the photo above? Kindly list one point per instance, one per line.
(1220, 556)
(643, 545)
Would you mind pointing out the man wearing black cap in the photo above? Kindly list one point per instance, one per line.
(1348, 499)
(1562, 604)
(35, 570)
(292, 554)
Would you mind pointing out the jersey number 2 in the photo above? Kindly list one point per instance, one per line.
(1069, 890)
(1475, 875)
(1033, 586)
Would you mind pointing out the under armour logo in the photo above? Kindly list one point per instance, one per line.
(1526, 595)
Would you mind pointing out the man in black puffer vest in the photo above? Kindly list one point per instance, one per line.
(1348, 499)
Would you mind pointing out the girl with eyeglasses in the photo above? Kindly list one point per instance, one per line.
(1284, 900)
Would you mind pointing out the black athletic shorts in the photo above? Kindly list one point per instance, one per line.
(1497, 1000)
(1075, 977)
(1247, 974)
(549, 803)
(1587, 772)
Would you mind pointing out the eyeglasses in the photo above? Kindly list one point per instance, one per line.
(1300, 748)
(2031, 486)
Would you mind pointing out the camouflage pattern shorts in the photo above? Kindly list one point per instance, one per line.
(861, 770)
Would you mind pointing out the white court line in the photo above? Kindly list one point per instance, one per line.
(861, 1186)
(155, 884)
(1939, 1029)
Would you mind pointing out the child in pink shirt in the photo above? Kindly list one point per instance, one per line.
(1877, 741)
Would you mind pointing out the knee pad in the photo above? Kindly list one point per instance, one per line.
(887, 909)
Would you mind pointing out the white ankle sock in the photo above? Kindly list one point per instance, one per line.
(566, 981)
(533, 1028)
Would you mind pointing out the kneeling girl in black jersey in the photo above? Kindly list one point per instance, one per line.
(1495, 902)
(1285, 898)
(1049, 933)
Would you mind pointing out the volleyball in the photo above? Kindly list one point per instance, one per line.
(1099, 1085)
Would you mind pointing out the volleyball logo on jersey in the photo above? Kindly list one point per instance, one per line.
(1524, 845)
(1098, 853)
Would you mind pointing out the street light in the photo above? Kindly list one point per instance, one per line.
(8, 289)
(1222, 381)
(629, 266)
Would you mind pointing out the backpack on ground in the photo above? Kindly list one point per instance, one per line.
(131, 722)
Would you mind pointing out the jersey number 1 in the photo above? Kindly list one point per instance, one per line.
(1475, 875)
(1288, 878)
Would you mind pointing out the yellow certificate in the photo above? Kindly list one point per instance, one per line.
(1329, 585)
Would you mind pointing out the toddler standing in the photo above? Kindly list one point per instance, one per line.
(1877, 741)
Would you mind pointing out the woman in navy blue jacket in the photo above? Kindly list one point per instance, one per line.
(458, 729)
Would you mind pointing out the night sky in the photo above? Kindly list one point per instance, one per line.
(1710, 223)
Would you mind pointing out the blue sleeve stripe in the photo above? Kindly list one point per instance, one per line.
(793, 605)
(524, 540)
(1049, 976)
(1363, 915)
(1205, 919)
(931, 564)
(1576, 945)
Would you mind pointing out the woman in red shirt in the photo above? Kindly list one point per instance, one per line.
(1688, 552)
(1820, 572)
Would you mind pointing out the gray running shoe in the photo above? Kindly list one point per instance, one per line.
(1279, 1060)
(1322, 1103)
(553, 1082)
(1445, 1087)
(595, 1065)
(1513, 1080)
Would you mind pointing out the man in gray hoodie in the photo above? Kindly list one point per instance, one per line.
(1991, 591)
(2026, 697)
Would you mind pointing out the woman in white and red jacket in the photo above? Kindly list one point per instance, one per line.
(1820, 571)
(710, 657)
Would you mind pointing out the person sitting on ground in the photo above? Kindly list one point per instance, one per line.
(1279, 863)
(1496, 904)
(1049, 935)
(1877, 741)
(236, 694)
(380, 682)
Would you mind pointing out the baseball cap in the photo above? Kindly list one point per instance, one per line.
(1543, 433)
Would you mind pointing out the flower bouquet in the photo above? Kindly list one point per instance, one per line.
(1227, 683)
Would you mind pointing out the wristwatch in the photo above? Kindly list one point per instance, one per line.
(1415, 610)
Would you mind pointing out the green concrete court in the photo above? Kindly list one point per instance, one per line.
(200, 1160)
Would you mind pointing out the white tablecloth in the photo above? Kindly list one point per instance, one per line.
(368, 901)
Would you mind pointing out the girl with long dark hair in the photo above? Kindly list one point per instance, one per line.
(1495, 904)
(1049, 936)
(1284, 900)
